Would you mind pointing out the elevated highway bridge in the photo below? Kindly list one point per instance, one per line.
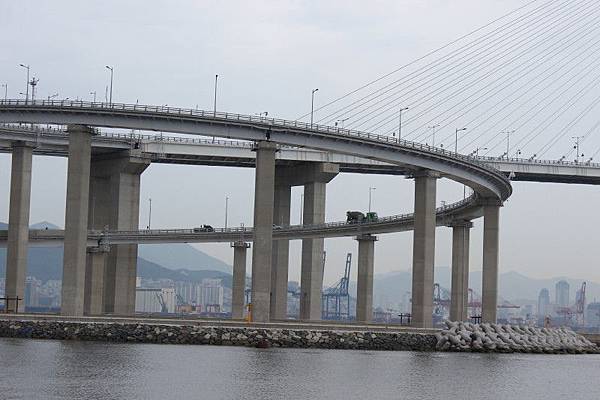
(103, 181)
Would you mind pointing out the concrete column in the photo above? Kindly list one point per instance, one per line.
(311, 279)
(239, 279)
(18, 224)
(489, 295)
(281, 250)
(263, 230)
(76, 220)
(114, 204)
(94, 280)
(364, 288)
(423, 250)
(315, 177)
(460, 270)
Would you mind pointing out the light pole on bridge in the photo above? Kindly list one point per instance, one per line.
(5, 86)
(94, 94)
(111, 84)
(508, 133)
(215, 98)
(456, 138)
(432, 127)
(226, 209)
(26, 83)
(400, 122)
(312, 105)
(371, 188)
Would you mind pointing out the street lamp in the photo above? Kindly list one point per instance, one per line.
(576, 147)
(94, 94)
(370, 196)
(432, 127)
(53, 96)
(476, 152)
(215, 100)
(226, 209)
(111, 83)
(5, 86)
(456, 139)
(341, 122)
(312, 105)
(26, 82)
(508, 133)
(400, 122)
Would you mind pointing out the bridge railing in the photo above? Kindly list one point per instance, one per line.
(394, 219)
(234, 117)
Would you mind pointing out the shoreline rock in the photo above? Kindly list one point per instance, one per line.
(215, 335)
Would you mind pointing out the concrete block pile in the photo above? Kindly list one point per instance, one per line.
(468, 337)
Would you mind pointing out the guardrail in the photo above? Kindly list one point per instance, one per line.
(246, 144)
(241, 118)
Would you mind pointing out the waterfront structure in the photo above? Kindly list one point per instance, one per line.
(102, 278)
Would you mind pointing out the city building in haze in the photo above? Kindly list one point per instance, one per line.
(543, 303)
(562, 294)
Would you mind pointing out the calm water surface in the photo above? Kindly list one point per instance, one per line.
(35, 369)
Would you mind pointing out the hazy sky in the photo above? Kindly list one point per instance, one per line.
(269, 55)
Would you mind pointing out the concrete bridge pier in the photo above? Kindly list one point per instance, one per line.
(76, 219)
(364, 288)
(423, 249)
(316, 177)
(94, 280)
(238, 286)
(459, 297)
(262, 254)
(18, 223)
(114, 204)
(281, 248)
(489, 295)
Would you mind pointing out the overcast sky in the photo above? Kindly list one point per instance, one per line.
(269, 55)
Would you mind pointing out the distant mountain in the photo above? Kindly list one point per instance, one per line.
(389, 288)
(45, 263)
(182, 256)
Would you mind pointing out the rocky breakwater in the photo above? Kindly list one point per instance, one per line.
(465, 336)
(215, 335)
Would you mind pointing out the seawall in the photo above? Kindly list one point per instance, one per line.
(202, 334)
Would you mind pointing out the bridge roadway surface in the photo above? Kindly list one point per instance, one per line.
(225, 323)
(488, 184)
(231, 153)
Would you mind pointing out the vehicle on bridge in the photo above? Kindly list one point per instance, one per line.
(357, 217)
(204, 228)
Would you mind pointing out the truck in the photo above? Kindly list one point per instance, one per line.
(357, 217)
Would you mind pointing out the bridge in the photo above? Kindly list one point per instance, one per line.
(109, 276)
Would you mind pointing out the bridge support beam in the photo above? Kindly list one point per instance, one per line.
(76, 220)
(238, 286)
(94, 280)
(263, 230)
(423, 249)
(114, 204)
(459, 297)
(489, 295)
(364, 288)
(18, 223)
(311, 280)
(281, 249)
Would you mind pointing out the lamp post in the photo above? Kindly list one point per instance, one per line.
(432, 127)
(111, 84)
(5, 86)
(53, 96)
(508, 133)
(371, 188)
(576, 147)
(477, 150)
(456, 139)
(226, 209)
(312, 105)
(26, 83)
(400, 122)
(94, 94)
(150, 213)
(341, 122)
(215, 98)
